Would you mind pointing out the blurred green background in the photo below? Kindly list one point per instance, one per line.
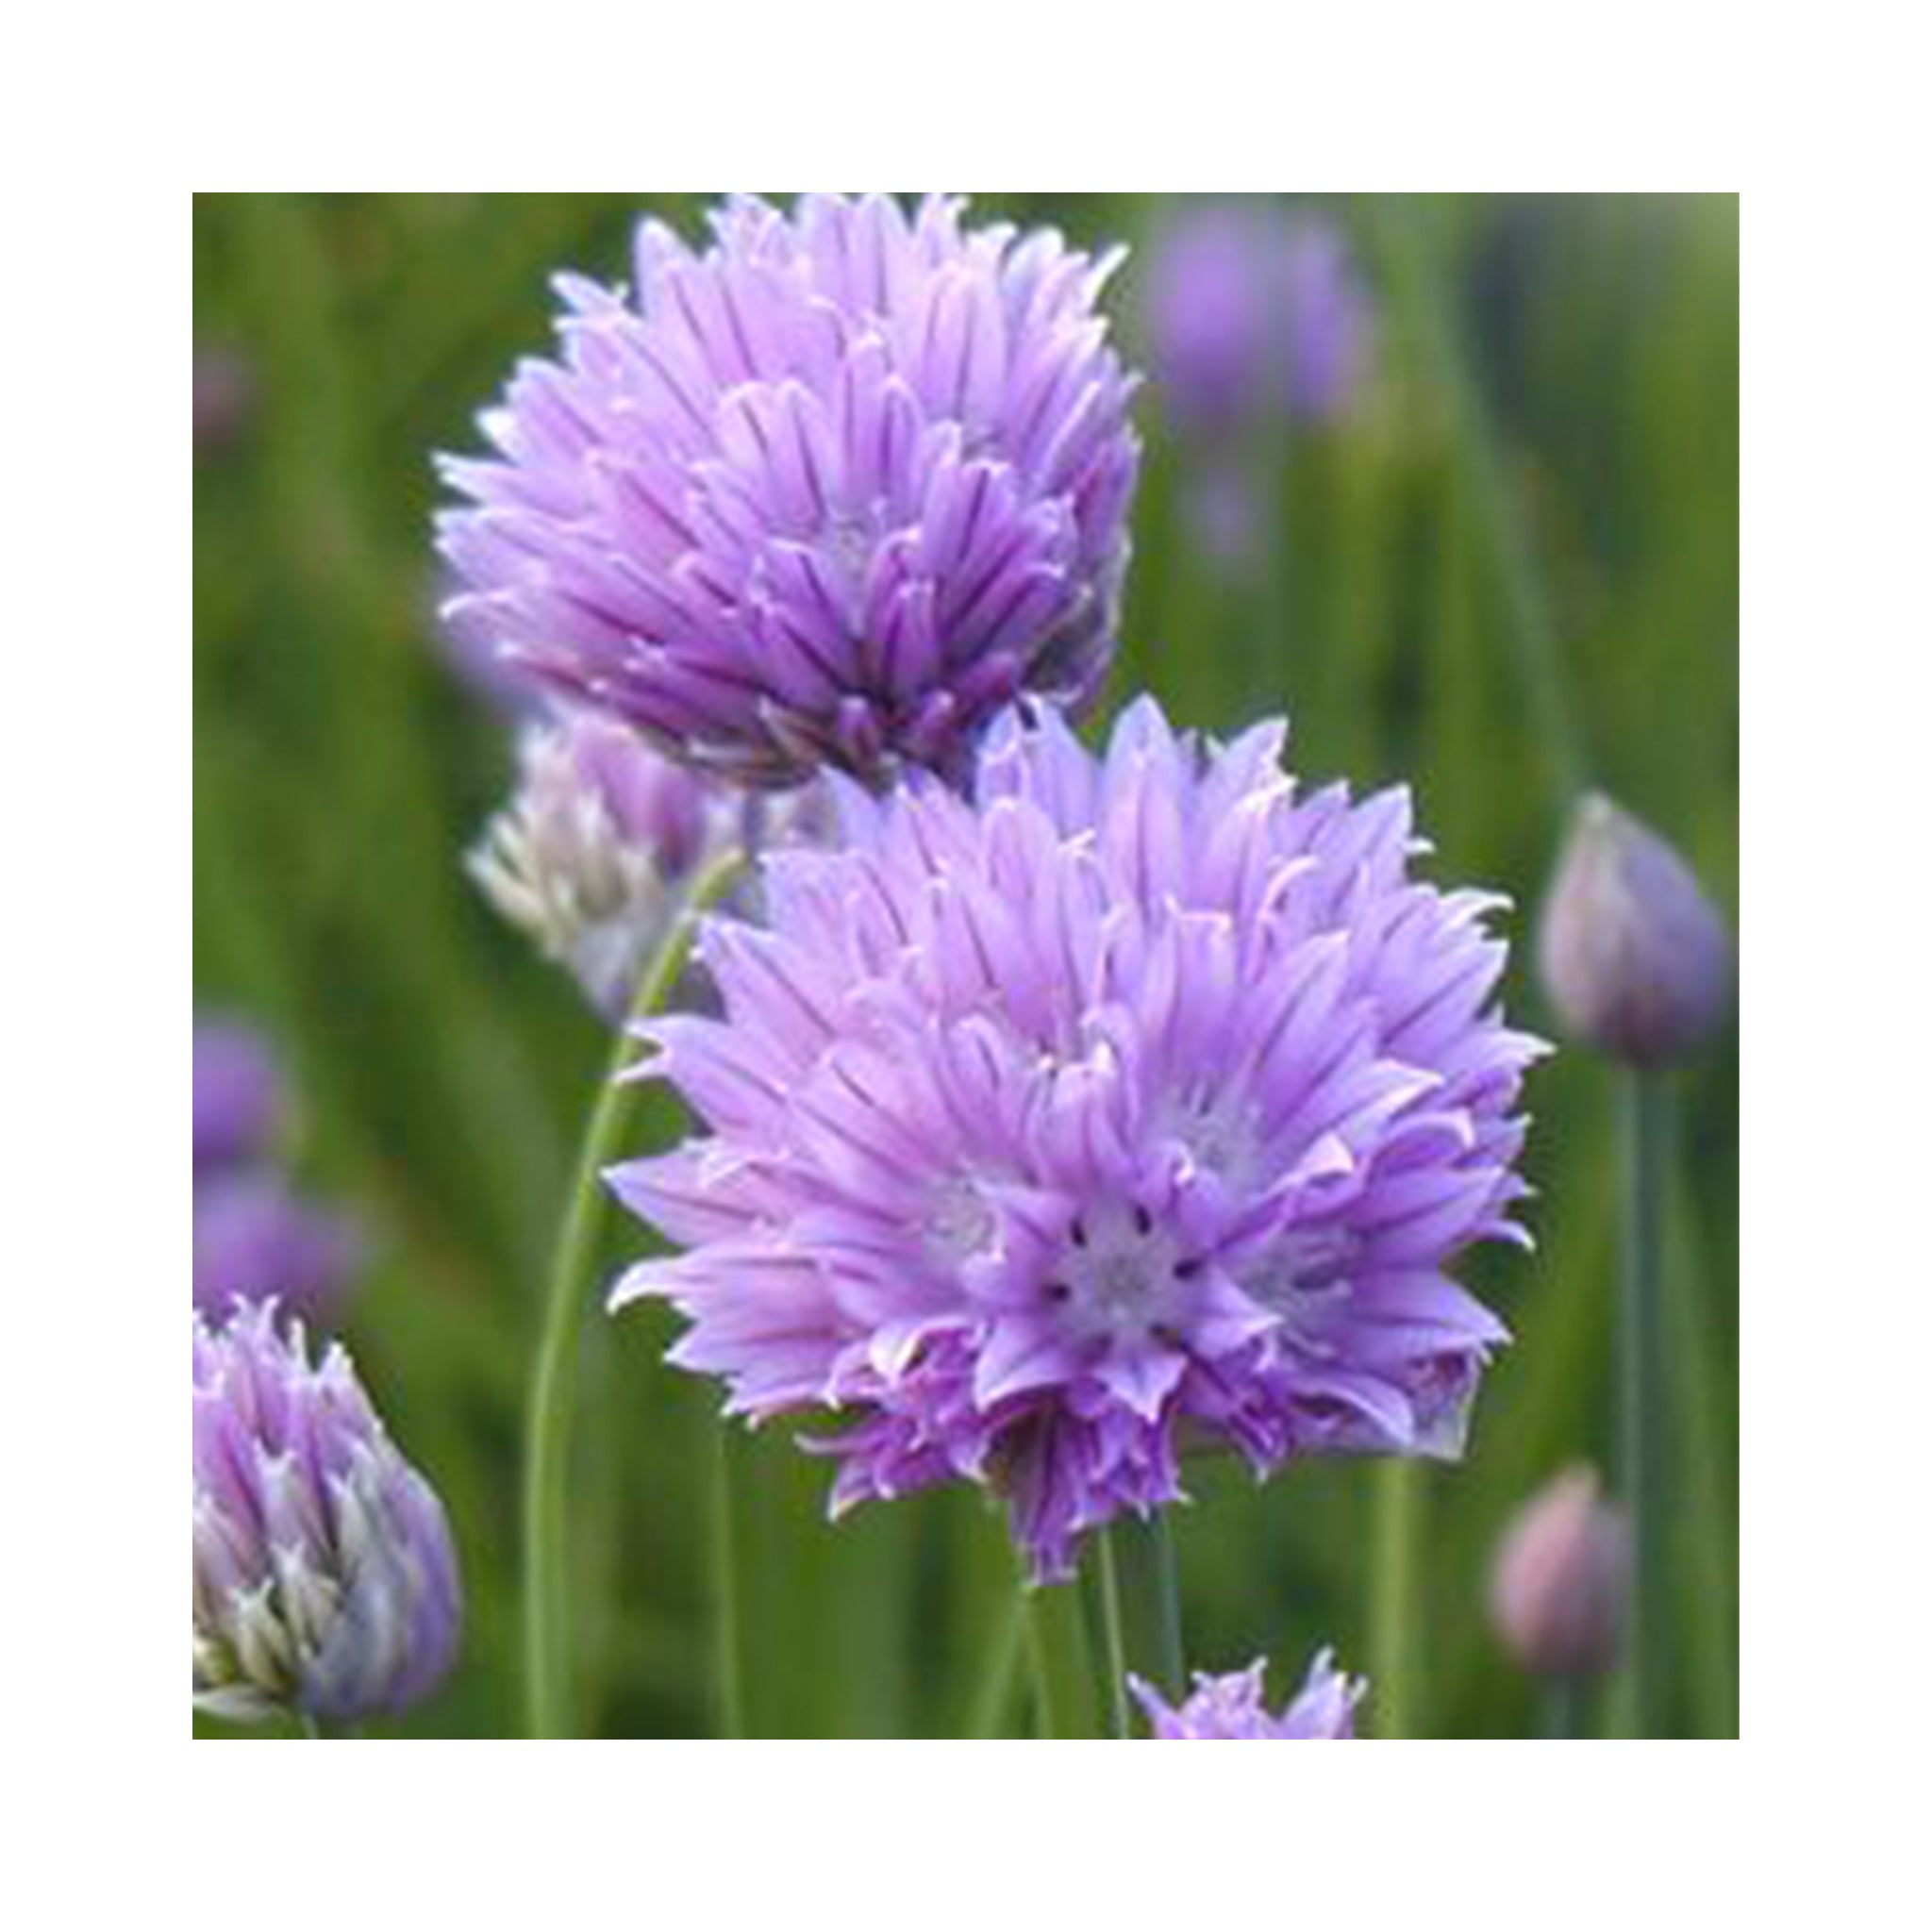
(1542, 471)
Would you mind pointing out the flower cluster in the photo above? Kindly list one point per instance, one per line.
(832, 491)
(253, 1236)
(1067, 1112)
(1132, 1103)
(324, 1579)
(1231, 1706)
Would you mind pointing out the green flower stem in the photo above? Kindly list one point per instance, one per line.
(993, 1699)
(1643, 1399)
(1704, 1553)
(1265, 656)
(1401, 235)
(553, 1378)
(1563, 1701)
(1113, 1639)
(726, 1610)
(1063, 1678)
(1398, 231)
(1150, 1577)
(1394, 1624)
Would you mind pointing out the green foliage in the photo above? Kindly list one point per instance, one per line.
(1549, 446)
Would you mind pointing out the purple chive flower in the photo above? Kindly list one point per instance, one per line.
(1134, 1105)
(1212, 317)
(1561, 1589)
(324, 1579)
(1635, 958)
(255, 1238)
(831, 491)
(1231, 1706)
(238, 1101)
(1254, 313)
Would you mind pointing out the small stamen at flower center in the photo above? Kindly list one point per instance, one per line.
(1303, 1275)
(960, 1225)
(1218, 1132)
(1121, 1275)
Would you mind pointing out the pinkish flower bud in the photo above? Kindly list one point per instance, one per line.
(224, 394)
(1561, 1586)
(1635, 958)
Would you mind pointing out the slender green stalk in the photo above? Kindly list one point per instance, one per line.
(1063, 1679)
(995, 1697)
(726, 1609)
(1266, 654)
(553, 1378)
(1113, 1645)
(1642, 1399)
(1150, 1580)
(1704, 1553)
(309, 1727)
(1394, 1626)
(1563, 1708)
(1397, 227)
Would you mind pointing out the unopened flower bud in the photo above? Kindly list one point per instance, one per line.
(1561, 1591)
(1635, 958)
(590, 855)
(325, 1577)
(224, 394)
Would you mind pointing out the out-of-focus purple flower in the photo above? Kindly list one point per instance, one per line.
(1231, 1706)
(224, 394)
(1635, 959)
(254, 1237)
(1135, 1103)
(1560, 1591)
(830, 493)
(1254, 313)
(1224, 511)
(1328, 319)
(255, 1240)
(239, 1100)
(593, 852)
(324, 1577)
(1215, 340)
